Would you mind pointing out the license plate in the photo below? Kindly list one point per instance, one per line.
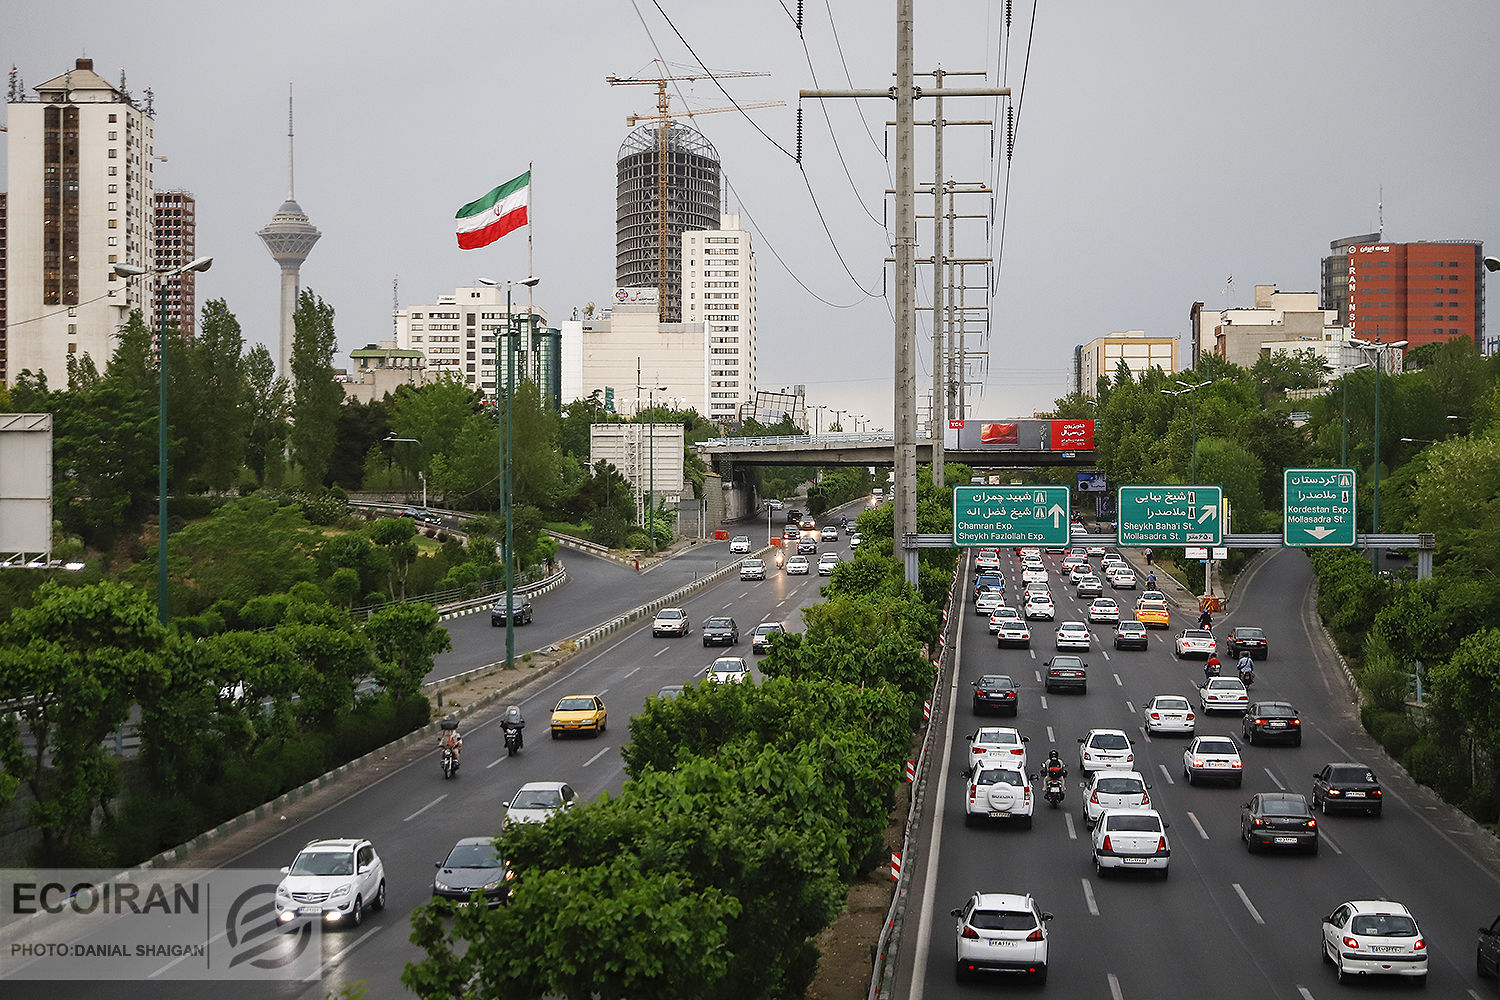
(1134, 861)
(1386, 949)
(1286, 840)
(1000, 815)
(1218, 763)
(1355, 795)
(997, 943)
(1278, 725)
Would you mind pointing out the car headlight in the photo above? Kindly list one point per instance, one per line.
(442, 886)
(342, 890)
(283, 892)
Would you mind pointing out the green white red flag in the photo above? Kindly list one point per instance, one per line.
(482, 222)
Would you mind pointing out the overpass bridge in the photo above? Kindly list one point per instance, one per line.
(873, 449)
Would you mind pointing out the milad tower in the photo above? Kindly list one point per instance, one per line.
(290, 238)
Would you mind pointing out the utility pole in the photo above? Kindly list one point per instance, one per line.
(936, 418)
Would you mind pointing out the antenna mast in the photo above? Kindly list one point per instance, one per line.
(290, 186)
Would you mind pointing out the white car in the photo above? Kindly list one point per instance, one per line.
(797, 566)
(1001, 613)
(1131, 838)
(1223, 694)
(1073, 561)
(1074, 635)
(670, 621)
(1169, 713)
(1011, 632)
(536, 801)
(1195, 642)
(1120, 577)
(826, 563)
(854, 540)
(1037, 574)
(998, 743)
(1213, 758)
(1079, 571)
(739, 544)
(752, 569)
(1106, 750)
(987, 560)
(997, 789)
(830, 533)
(988, 601)
(1373, 937)
(1103, 790)
(1094, 550)
(1001, 933)
(1112, 559)
(1150, 595)
(1030, 552)
(335, 881)
(1104, 609)
(1040, 606)
(729, 670)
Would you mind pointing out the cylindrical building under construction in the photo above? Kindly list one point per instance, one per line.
(667, 182)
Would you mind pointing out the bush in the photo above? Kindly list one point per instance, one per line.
(1393, 729)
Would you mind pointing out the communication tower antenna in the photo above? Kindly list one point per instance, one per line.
(395, 305)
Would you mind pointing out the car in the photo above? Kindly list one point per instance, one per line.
(1073, 635)
(830, 533)
(797, 566)
(1039, 605)
(1011, 632)
(1213, 758)
(752, 569)
(1034, 574)
(1079, 571)
(793, 516)
(987, 581)
(334, 881)
(1090, 586)
(671, 692)
(1002, 933)
(537, 801)
(739, 544)
(987, 559)
(998, 742)
(1112, 559)
(827, 563)
(1131, 635)
(579, 713)
(1153, 614)
(1113, 788)
(1347, 785)
(1001, 613)
(1150, 595)
(431, 517)
(670, 621)
(807, 545)
(807, 524)
(1223, 694)
(1195, 642)
(1104, 750)
(997, 789)
(1026, 553)
(1278, 819)
(1247, 639)
(1120, 577)
(987, 602)
(520, 611)
(855, 539)
(1270, 722)
(1131, 838)
(1071, 563)
(721, 630)
(1487, 957)
(996, 692)
(729, 670)
(774, 505)
(1093, 550)
(1067, 673)
(764, 635)
(791, 532)
(1104, 609)
(1374, 937)
(1169, 713)
(473, 865)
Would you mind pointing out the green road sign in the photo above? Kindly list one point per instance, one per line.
(1010, 515)
(1170, 515)
(1318, 507)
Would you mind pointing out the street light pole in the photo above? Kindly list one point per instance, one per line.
(1344, 429)
(650, 459)
(1375, 506)
(1177, 392)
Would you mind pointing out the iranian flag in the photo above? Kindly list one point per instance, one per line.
(482, 222)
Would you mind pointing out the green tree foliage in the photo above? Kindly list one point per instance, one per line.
(405, 638)
(1458, 498)
(209, 393)
(267, 399)
(250, 546)
(361, 428)
(434, 415)
(395, 537)
(1468, 684)
(468, 474)
(315, 395)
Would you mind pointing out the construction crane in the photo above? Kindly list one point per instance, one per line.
(664, 114)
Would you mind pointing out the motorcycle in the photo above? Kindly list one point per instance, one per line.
(1247, 675)
(449, 762)
(1054, 790)
(512, 738)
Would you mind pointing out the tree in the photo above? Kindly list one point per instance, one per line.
(536, 468)
(250, 546)
(361, 428)
(267, 398)
(405, 638)
(434, 415)
(315, 395)
(212, 378)
(1469, 684)
(395, 535)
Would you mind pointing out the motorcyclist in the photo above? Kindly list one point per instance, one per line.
(1206, 619)
(1211, 668)
(1247, 667)
(451, 738)
(1151, 580)
(1053, 767)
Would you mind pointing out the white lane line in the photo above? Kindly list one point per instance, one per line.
(1044, 701)
(1323, 836)
(1275, 780)
(1240, 892)
(1201, 832)
(1307, 995)
(726, 607)
(425, 808)
(744, 595)
(596, 756)
(1072, 832)
(1088, 892)
(1166, 774)
(1114, 988)
(1039, 677)
(1050, 737)
(1128, 703)
(1118, 682)
(601, 690)
(1031, 652)
(1471, 993)
(1104, 653)
(497, 760)
(661, 651)
(781, 602)
(632, 670)
(1145, 733)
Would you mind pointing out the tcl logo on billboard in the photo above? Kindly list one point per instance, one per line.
(1069, 435)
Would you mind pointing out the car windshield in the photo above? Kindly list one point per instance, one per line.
(1140, 824)
(669, 614)
(1225, 684)
(1109, 741)
(1249, 633)
(1284, 805)
(1217, 746)
(537, 798)
(1384, 925)
(753, 563)
(1120, 786)
(1002, 920)
(473, 856)
(1353, 775)
(1194, 633)
(1279, 711)
(767, 629)
(718, 623)
(996, 736)
(728, 666)
(1172, 703)
(1066, 661)
(1072, 627)
(995, 681)
(1001, 777)
(323, 863)
(1153, 606)
(576, 705)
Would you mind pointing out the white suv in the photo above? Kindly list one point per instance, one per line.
(997, 789)
(1001, 932)
(739, 544)
(332, 880)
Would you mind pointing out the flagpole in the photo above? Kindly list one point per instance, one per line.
(530, 225)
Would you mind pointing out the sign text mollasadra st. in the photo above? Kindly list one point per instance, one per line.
(1010, 515)
(1170, 515)
(1318, 507)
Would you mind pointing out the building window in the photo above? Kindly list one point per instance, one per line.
(113, 153)
(113, 223)
(113, 119)
(113, 171)
(114, 241)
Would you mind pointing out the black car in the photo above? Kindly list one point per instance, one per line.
(1271, 722)
(1131, 635)
(519, 605)
(473, 865)
(793, 517)
(1067, 673)
(791, 532)
(721, 631)
(1246, 639)
(807, 546)
(1346, 785)
(995, 692)
(1278, 819)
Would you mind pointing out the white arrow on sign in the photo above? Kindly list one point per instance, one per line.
(1057, 515)
(1210, 512)
(1320, 532)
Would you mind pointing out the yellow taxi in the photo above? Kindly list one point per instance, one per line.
(579, 713)
(1153, 614)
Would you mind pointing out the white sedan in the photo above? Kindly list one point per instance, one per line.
(797, 566)
(739, 544)
(1213, 758)
(1011, 632)
(1074, 635)
(827, 563)
(1170, 713)
(1223, 694)
(987, 602)
(1103, 790)
(1034, 575)
(1121, 577)
(1104, 609)
(998, 742)
(854, 540)
(1375, 937)
(1040, 606)
(729, 670)
(1196, 642)
(987, 560)
(1131, 838)
(1002, 614)
(1106, 750)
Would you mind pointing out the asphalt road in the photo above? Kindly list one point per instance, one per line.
(413, 816)
(1226, 924)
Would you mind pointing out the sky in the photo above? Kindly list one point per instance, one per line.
(1161, 147)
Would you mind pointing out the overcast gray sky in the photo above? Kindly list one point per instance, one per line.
(1163, 145)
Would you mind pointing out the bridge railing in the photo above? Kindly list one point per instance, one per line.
(776, 440)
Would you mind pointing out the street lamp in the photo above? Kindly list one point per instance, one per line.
(651, 390)
(507, 500)
(1178, 392)
(128, 271)
(1344, 430)
(391, 438)
(1374, 348)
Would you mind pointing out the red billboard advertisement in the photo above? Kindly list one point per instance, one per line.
(1072, 435)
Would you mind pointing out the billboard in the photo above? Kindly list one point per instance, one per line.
(635, 296)
(1019, 435)
(25, 487)
(1091, 482)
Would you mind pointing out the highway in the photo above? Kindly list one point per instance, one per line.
(1226, 924)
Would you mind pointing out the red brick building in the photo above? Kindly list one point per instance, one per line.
(1423, 293)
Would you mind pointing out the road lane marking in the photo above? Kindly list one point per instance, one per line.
(1323, 836)
(1201, 832)
(1240, 892)
(1114, 988)
(782, 601)
(497, 760)
(1104, 653)
(1129, 705)
(661, 651)
(1031, 652)
(1275, 780)
(744, 595)
(1050, 737)
(1044, 701)
(1118, 682)
(1145, 733)
(1088, 892)
(632, 670)
(596, 756)
(1166, 774)
(1072, 832)
(1306, 995)
(726, 607)
(1039, 677)
(425, 808)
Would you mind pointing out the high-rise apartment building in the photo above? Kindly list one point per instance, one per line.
(80, 166)
(718, 290)
(176, 213)
(2, 288)
(457, 337)
(667, 183)
(1422, 293)
(1103, 356)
